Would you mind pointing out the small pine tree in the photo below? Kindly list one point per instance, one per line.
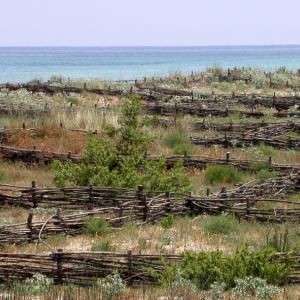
(117, 159)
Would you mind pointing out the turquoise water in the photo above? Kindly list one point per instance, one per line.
(24, 64)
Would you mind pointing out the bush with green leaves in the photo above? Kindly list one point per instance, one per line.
(262, 170)
(250, 286)
(179, 142)
(103, 246)
(2, 176)
(97, 226)
(216, 290)
(38, 284)
(222, 174)
(183, 288)
(167, 221)
(117, 159)
(111, 286)
(265, 174)
(223, 224)
(205, 268)
(166, 239)
(280, 240)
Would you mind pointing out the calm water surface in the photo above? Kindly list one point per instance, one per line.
(23, 64)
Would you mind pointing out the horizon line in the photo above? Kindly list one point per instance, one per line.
(143, 46)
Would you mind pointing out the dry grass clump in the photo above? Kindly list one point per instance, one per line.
(21, 174)
(49, 138)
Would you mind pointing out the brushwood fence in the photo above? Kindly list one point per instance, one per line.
(31, 156)
(248, 140)
(274, 129)
(154, 93)
(202, 111)
(84, 268)
(120, 206)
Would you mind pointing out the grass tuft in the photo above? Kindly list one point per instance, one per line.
(224, 224)
(93, 226)
(222, 174)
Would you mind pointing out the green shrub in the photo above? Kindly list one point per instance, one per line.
(224, 224)
(2, 176)
(265, 174)
(280, 241)
(103, 246)
(250, 286)
(205, 268)
(95, 226)
(222, 174)
(38, 284)
(259, 166)
(166, 239)
(179, 142)
(167, 221)
(117, 159)
(261, 169)
(111, 286)
(266, 150)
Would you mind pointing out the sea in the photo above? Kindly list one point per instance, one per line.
(22, 64)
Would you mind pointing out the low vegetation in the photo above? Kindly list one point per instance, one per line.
(223, 256)
(222, 174)
(117, 159)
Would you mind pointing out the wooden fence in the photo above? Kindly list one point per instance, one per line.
(274, 129)
(120, 206)
(247, 140)
(202, 111)
(154, 93)
(84, 268)
(37, 156)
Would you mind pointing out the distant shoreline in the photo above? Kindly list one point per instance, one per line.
(22, 64)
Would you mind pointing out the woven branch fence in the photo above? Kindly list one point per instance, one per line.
(120, 206)
(202, 111)
(247, 140)
(157, 93)
(85, 267)
(274, 129)
(37, 156)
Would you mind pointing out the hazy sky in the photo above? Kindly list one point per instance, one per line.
(151, 22)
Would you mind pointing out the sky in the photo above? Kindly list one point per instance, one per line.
(149, 23)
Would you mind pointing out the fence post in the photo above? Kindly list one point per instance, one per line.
(59, 271)
(248, 207)
(84, 86)
(186, 159)
(270, 161)
(69, 155)
(226, 142)
(168, 205)
(58, 214)
(207, 192)
(175, 114)
(143, 199)
(129, 266)
(33, 195)
(227, 157)
(29, 226)
(189, 202)
(120, 213)
(91, 202)
(23, 126)
(224, 193)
